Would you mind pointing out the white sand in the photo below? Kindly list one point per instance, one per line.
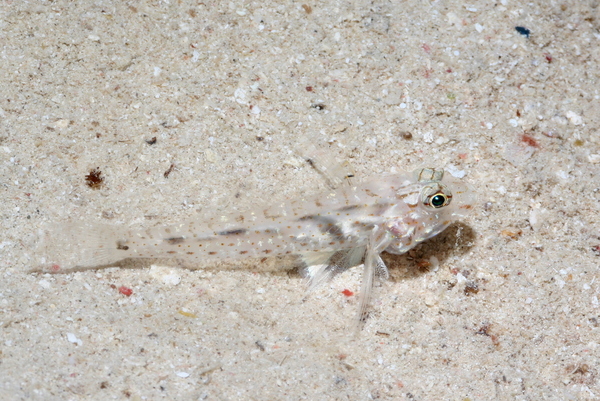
(512, 312)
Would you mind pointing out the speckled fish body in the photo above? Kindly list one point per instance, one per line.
(394, 205)
(324, 223)
(332, 230)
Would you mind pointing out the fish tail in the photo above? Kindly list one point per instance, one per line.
(78, 246)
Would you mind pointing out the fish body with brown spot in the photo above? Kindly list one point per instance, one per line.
(349, 225)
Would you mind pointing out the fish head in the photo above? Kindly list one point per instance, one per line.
(437, 200)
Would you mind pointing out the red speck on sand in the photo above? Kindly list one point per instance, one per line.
(529, 140)
(347, 293)
(125, 291)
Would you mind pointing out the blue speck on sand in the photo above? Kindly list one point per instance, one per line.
(523, 31)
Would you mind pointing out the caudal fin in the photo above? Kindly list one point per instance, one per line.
(75, 246)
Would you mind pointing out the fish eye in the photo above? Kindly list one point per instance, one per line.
(436, 195)
(438, 200)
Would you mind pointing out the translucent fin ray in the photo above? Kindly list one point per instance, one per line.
(323, 266)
